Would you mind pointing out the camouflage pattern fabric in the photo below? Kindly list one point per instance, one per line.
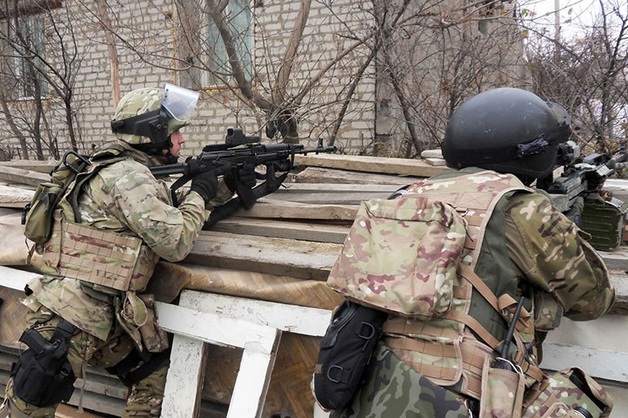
(561, 395)
(146, 396)
(527, 241)
(401, 256)
(392, 389)
(134, 103)
(124, 198)
(138, 102)
(553, 254)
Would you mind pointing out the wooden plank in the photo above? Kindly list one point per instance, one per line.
(294, 319)
(283, 229)
(251, 387)
(33, 165)
(214, 329)
(601, 364)
(616, 260)
(400, 166)
(290, 318)
(597, 346)
(267, 208)
(67, 411)
(14, 197)
(331, 198)
(184, 376)
(324, 175)
(619, 281)
(330, 187)
(20, 176)
(301, 259)
(15, 279)
(259, 343)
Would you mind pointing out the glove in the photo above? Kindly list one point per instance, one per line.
(575, 212)
(206, 185)
(244, 175)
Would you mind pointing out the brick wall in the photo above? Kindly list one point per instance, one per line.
(149, 27)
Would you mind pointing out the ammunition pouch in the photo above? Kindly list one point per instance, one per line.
(43, 375)
(562, 393)
(345, 351)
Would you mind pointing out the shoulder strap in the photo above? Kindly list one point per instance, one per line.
(100, 159)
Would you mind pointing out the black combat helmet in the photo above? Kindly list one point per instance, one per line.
(508, 130)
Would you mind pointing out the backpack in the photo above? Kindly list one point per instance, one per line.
(401, 256)
(37, 215)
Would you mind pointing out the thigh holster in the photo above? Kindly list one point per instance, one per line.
(43, 376)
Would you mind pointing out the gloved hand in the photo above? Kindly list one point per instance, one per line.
(244, 175)
(206, 184)
(575, 212)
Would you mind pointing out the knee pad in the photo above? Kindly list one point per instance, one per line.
(138, 366)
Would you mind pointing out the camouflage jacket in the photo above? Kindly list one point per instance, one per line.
(125, 198)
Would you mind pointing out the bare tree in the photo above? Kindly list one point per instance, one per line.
(588, 74)
(40, 62)
(440, 54)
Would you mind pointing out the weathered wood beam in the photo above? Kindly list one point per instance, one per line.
(14, 197)
(20, 176)
(326, 175)
(300, 259)
(400, 166)
(283, 229)
(34, 165)
(275, 209)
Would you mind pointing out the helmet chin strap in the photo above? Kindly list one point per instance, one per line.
(171, 159)
(157, 149)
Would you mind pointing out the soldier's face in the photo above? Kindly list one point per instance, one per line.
(177, 140)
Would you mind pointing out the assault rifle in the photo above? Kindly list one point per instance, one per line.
(240, 149)
(602, 216)
(581, 177)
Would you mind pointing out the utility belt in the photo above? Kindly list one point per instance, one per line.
(96, 256)
(449, 361)
(515, 388)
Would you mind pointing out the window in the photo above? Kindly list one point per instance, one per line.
(203, 46)
(23, 53)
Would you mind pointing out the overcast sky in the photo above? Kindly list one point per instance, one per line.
(572, 13)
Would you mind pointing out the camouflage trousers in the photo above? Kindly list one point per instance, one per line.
(392, 389)
(145, 397)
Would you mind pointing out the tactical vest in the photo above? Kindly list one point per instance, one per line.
(453, 349)
(104, 259)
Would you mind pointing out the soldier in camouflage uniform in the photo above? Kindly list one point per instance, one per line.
(449, 365)
(108, 323)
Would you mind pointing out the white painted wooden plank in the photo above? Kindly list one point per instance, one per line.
(214, 328)
(597, 346)
(607, 333)
(14, 278)
(320, 412)
(604, 364)
(290, 318)
(184, 375)
(251, 386)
